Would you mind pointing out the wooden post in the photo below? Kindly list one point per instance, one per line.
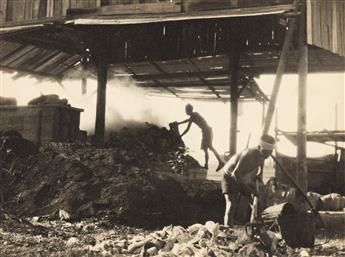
(102, 72)
(234, 60)
(263, 112)
(279, 76)
(3, 8)
(84, 86)
(84, 76)
(302, 172)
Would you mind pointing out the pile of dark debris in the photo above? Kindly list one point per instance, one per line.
(131, 179)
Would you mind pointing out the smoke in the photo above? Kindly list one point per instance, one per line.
(126, 104)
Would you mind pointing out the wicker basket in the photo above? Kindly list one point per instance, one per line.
(298, 230)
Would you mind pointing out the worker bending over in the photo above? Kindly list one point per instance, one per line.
(239, 175)
(207, 134)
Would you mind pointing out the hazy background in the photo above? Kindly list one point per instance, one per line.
(126, 102)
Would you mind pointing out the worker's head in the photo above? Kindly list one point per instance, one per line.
(266, 145)
(189, 109)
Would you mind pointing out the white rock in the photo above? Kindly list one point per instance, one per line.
(64, 215)
(169, 244)
(152, 251)
(303, 253)
(72, 241)
(221, 234)
(212, 227)
(166, 254)
(194, 228)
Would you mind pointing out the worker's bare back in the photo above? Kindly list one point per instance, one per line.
(199, 121)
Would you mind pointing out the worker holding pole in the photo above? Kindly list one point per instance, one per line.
(241, 173)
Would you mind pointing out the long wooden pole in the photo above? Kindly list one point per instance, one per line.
(299, 189)
(279, 76)
(302, 172)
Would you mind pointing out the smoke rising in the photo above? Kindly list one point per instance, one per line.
(126, 104)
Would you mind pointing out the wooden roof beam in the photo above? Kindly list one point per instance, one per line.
(245, 85)
(167, 89)
(157, 83)
(29, 72)
(202, 79)
(42, 43)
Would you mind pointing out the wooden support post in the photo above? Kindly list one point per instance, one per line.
(302, 172)
(3, 8)
(234, 60)
(84, 86)
(263, 112)
(84, 76)
(102, 72)
(279, 76)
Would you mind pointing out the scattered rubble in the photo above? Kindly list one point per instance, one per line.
(100, 238)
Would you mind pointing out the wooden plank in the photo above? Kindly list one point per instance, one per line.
(36, 8)
(18, 10)
(341, 27)
(140, 8)
(177, 16)
(50, 8)
(57, 8)
(3, 9)
(98, 3)
(73, 4)
(28, 10)
(334, 27)
(79, 4)
(206, 5)
(65, 7)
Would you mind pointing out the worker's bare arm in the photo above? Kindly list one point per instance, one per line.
(184, 121)
(187, 129)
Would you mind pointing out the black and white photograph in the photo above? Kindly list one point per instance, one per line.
(172, 128)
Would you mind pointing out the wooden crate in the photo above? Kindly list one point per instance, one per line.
(42, 123)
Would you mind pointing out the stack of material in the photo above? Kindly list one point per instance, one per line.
(129, 182)
(48, 99)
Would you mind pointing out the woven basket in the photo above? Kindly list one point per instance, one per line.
(298, 230)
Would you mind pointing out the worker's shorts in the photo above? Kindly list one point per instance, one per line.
(229, 185)
(207, 137)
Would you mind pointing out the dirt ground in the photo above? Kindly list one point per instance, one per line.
(92, 237)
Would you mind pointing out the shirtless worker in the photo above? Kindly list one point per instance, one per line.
(239, 175)
(207, 134)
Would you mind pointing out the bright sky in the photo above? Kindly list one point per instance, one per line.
(125, 102)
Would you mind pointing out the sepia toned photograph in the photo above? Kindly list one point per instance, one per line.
(172, 128)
